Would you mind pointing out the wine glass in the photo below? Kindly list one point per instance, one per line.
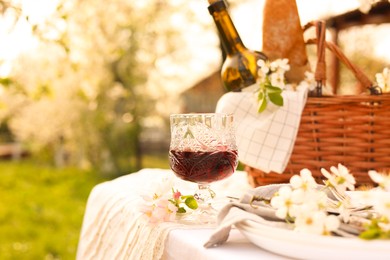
(203, 150)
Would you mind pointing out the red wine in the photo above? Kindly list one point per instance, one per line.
(203, 167)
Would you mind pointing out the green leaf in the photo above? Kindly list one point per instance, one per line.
(191, 202)
(260, 96)
(371, 233)
(181, 210)
(5, 82)
(273, 89)
(276, 98)
(374, 230)
(262, 105)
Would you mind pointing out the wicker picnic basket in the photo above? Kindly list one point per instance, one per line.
(352, 130)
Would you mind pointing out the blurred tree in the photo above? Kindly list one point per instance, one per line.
(82, 94)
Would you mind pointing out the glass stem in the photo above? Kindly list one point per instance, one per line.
(204, 196)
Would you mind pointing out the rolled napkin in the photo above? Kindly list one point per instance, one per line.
(265, 140)
(243, 210)
(253, 206)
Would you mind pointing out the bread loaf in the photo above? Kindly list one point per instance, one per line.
(283, 37)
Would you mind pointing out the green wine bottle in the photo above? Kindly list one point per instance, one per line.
(239, 69)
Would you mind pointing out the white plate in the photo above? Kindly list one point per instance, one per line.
(310, 246)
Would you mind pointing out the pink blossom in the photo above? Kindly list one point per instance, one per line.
(176, 195)
(164, 210)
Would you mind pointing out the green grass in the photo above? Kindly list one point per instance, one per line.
(41, 210)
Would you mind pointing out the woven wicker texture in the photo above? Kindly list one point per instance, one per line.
(351, 130)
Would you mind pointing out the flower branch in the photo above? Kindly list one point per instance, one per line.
(166, 203)
(307, 206)
(271, 82)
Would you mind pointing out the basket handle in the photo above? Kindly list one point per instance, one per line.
(320, 70)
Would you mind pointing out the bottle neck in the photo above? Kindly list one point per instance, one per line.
(230, 38)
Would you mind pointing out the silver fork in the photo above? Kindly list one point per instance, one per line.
(345, 200)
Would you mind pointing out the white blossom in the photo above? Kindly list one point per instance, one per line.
(317, 222)
(339, 178)
(273, 71)
(381, 179)
(317, 199)
(378, 199)
(158, 208)
(366, 5)
(263, 68)
(277, 79)
(303, 181)
(381, 202)
(284, 202)
(280, 66)
(383, 80)
(308, 82)
(306, 205)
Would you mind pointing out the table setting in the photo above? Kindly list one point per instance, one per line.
(323, 198)
(114, 226)
(137, 216)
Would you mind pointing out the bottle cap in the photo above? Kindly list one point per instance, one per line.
(217, 6)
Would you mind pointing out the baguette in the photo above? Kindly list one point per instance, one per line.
(283, 37)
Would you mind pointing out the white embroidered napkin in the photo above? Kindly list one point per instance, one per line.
(265, 140)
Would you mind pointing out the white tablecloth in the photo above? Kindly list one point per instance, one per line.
(113, 227)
